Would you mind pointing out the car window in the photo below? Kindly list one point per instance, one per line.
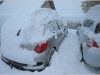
(97, 29)
(60, 24)
(87, 23)
(53, 26)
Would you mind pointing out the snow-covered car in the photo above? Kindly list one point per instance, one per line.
(89, 37)
(29, 40)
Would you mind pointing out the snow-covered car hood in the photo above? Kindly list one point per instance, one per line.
(32, 31)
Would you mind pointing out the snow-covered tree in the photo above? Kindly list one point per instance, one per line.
(86, 5)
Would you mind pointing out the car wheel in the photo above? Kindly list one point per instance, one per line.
(50, 57)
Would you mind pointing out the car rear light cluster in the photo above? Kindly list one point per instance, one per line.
(41, 48)
(91, 42)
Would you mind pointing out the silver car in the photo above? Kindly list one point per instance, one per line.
(89, 35)
(43, 51)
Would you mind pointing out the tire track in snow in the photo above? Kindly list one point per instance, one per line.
(69, 55)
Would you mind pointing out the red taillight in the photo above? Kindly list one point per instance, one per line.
(41, 48)
(91, 43)
(95, 44)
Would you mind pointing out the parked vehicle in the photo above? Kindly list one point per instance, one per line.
(73, 25)
(89, 37)
(29, 43)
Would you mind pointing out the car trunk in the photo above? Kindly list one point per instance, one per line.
(11, 42)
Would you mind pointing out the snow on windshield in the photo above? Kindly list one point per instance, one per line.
(38, 29)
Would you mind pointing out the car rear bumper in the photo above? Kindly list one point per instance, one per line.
(92, 56)
(21, 66)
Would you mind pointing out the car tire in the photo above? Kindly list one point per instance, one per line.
(50, 57)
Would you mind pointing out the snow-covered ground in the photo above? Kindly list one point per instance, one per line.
(65, 61)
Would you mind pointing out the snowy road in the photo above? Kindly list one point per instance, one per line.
(65, 61)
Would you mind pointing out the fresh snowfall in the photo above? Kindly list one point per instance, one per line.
(65, 61)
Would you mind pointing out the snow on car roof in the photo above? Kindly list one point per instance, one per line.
(44, 16)
(94, 13)
(38, 30)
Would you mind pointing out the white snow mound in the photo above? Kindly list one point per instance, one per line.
(94, 13)
(38, 31)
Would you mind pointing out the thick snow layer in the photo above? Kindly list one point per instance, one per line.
(11, 42)
(65, 61)
(34, 31)
(12, 6)
(3, 18)
(39, 29)
(94, 13)
(94, 50)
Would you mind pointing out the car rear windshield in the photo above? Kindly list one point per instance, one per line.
(87, 23)
(97, 29)
(53, 26)
(60, 24)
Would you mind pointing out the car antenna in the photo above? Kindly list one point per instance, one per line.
(18, 32)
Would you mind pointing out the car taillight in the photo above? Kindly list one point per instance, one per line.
(95, 44)
(91, 43)
(41, 48)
